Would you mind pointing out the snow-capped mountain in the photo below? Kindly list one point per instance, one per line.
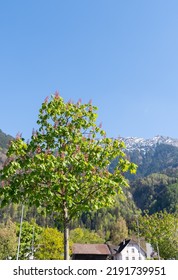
(141, 144)
(155, 155)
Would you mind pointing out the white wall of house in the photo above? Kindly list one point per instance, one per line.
(131, 252)
(150, 251)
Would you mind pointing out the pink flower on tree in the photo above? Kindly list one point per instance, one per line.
(46, 99)
(2, 184)
(38, 149)
(56, 95)
(18, 136)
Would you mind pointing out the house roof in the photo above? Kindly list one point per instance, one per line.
(90, 249)
(117, 249)
(127, 242)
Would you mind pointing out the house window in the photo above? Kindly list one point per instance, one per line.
(133, 258)
(127, 258)
(133, 250)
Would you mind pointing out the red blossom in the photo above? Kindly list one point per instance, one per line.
(56, 124)
(48, 152)
(46, 99)
(90, 108)
(77, 148)
(2, 184)
(86, 157)
(18, 136)
(38, 149)
(57, 95)
(62, 155)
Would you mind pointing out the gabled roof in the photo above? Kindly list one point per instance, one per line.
(90, 249)
(122, 245)
(117, 249)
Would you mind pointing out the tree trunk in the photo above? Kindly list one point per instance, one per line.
(66, 235)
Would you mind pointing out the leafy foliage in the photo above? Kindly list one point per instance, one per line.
(119, 231)
(104, 219)
(50, 245)
(29, 239)
(161, 230)
(83, 235)
(64, 159)
(8, 241)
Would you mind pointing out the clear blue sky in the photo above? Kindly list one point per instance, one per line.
(122, 54)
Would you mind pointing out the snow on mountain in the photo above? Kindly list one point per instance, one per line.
(141, 144)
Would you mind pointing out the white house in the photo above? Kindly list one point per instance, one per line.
(128, 250)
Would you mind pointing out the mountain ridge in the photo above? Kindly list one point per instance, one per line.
(141, 143)
(153, 155)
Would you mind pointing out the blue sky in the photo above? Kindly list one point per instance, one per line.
(122, 54)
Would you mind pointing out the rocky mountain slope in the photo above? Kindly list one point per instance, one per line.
(155, 155)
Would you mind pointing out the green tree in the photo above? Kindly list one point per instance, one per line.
(119, 231)
(83, 235)
(8, 240)
(161, 230)
(64, 167)
(50, 245)
(29, 239)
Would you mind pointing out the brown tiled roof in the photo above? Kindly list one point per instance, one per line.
(91, 249)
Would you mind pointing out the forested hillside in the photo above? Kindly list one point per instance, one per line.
(156, 192)
(4, 142)
(155, 185)
(156, 160)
